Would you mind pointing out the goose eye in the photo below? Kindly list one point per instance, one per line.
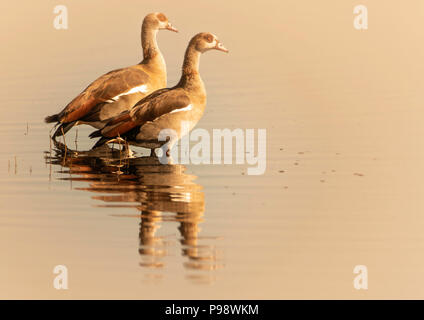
(209, 38)
(161, 17)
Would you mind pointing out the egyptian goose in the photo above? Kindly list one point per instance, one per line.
(120, 89)
(165, 108)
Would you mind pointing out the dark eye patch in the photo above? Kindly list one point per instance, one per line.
(161, 17)
(209, 38)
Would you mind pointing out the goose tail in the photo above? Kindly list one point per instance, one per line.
(52, 118)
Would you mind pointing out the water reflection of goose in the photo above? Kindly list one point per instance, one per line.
(161, 193)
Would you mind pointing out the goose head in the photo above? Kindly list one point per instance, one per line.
(159, 21)
(205, 41)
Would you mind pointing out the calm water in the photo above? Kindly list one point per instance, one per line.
(343, 184)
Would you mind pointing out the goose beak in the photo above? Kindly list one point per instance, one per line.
(219, 46)
(170, 27)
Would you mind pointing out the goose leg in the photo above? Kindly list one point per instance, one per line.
(169, 158)
(165, 156)
(127, 149)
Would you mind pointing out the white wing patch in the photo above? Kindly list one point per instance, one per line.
(188, 108)
(142, 89)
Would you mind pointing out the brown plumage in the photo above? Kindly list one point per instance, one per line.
(118, 90)
(178, 108)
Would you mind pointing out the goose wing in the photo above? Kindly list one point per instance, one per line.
(157, 104)
(107, 88)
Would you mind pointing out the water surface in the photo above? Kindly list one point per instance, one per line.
(343, 184)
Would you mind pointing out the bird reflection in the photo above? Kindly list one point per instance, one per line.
(162, 194)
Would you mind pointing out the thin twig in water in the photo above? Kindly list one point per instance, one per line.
(64, 143)
(50, 139)
(76, 139)
(70, 174)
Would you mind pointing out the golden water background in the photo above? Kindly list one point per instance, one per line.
(343, 111)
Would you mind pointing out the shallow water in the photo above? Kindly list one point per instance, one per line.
(343, 114)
